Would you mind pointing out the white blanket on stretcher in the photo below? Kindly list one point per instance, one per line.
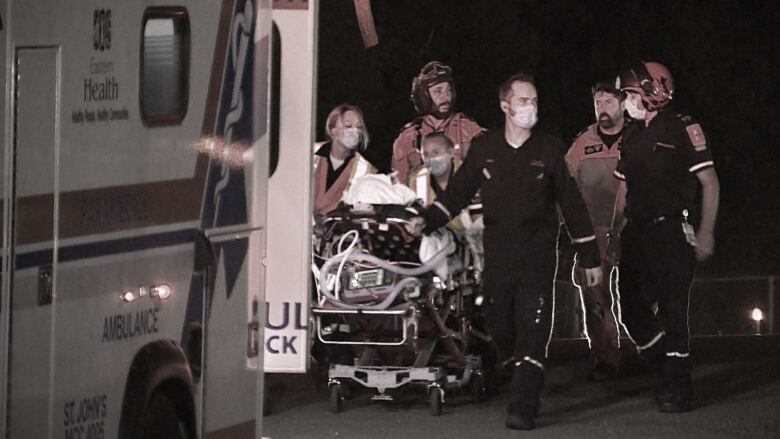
(380, 189)
(377, 189)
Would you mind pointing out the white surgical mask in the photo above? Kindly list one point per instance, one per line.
(634, 111)
(350, 138)
(438, 165)
(525, 116)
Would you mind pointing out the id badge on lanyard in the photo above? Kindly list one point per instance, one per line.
(690, 234)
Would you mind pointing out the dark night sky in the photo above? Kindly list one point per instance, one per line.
(724, 56)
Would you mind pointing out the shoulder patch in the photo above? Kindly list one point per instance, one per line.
(593, 149)
(697, 137)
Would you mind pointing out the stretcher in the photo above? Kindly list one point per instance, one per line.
(404, 322)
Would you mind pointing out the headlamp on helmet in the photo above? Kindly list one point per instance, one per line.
(433, 73)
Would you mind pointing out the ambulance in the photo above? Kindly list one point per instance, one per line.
(133, 184)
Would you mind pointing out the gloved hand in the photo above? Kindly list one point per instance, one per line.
(415, 226)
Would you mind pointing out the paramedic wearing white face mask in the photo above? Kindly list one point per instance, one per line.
(634, 106)
(522, 175)
(339, 161)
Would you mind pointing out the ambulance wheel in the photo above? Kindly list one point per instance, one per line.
(162, 419)
(476, 385)
(435, 397)
(336, 399)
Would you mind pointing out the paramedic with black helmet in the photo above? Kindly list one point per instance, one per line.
(664, 160)
(522, 175)
(433, 96)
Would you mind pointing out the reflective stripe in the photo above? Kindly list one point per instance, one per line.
(361, 168)
(613, 298)
(530, 360)
(700, 166)
(443, 209)
(584, 240)
(421, 184)
(582, 300)
(552, 312)
(619, 175)
(678, 354)
(652, 342)
(475, 206)
(616, 270)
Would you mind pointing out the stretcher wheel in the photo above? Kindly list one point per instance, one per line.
(476, 385)
(434, 397)
(336, 399)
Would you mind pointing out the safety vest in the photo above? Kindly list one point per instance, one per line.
(420, 183)
(592, 163)
(328, 199)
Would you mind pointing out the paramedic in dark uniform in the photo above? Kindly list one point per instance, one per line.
(592, 159)
(671, 205)
(522, 174)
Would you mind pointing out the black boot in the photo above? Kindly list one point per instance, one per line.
(675, 394)
(527, 382)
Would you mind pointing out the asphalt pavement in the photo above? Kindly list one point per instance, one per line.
(737, 395)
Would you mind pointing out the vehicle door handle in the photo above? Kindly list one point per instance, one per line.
(45, 283)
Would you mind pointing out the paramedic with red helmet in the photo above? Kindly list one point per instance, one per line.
(433, 96)
(666, 163)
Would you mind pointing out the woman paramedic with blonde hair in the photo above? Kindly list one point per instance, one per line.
(339, 161)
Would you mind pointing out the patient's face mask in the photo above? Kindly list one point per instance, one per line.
(439, 165)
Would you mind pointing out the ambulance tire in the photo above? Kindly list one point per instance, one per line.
(163, 419)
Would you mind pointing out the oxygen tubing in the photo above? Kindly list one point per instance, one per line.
(349, 255)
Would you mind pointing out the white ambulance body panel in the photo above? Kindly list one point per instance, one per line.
(288, 287)
(112, 196)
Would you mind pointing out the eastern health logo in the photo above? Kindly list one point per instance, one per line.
(101, 29)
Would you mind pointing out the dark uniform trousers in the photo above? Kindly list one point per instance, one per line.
(657, 267)
(520, 308)
(520, 318)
